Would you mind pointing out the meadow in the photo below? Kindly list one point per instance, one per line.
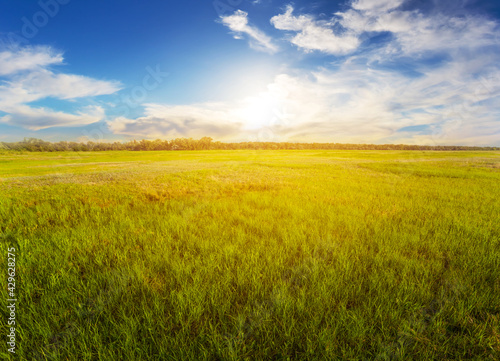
(252, 255)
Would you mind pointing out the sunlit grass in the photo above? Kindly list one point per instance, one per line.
(254, 255)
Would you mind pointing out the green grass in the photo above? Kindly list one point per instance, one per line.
(253, 255)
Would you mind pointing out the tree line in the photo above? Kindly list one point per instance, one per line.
(207, 143)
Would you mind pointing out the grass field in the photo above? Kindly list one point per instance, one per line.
(253, 255)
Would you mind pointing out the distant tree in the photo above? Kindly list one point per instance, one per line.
(207, 143)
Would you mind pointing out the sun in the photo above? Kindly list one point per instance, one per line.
(258, 111)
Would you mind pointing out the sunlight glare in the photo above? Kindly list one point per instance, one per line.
(259, 111)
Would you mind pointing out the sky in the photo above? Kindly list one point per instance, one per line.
(355, 71)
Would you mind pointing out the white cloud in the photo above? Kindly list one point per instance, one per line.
(376, 5)
(42, 118)
(28, 79)
(29, 58)
(198, 120)
(314, 35)
(440, 33)
(416, 33)
(360, 21)
(63, 86)
(238, 23)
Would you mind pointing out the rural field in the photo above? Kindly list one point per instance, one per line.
(252, 255)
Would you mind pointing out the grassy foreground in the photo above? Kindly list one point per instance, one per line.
(253, 255)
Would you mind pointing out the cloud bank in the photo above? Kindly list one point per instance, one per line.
(162, 121)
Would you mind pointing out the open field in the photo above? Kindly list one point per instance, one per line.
(253, 255)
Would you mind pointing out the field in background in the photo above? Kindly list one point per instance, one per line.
(253, 255)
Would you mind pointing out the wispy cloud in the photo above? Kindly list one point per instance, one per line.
(376, 5)
(27, 78)
(415, 32)
(314, 35)
(238, 23)
(29, 58)
(45, 83)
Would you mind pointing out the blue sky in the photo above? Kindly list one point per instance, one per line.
(361, 71)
